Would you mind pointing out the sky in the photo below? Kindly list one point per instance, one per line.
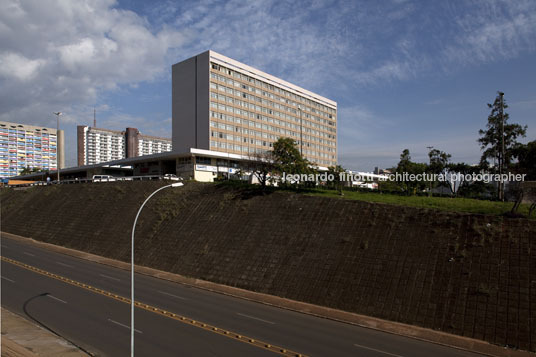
(405, 74)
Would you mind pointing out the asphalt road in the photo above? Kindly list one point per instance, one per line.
(100, 324)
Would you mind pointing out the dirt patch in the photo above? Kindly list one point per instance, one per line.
(471, 275)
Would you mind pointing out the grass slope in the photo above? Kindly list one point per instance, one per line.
(442, 203)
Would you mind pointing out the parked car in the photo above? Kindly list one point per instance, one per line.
(103, 178)
(172, 177)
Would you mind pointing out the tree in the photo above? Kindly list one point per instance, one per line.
(439, 161)
(405, 159)
(468, 188)
(526, 160)
(261, 166)
(526, 164)
(288, 159)
(336, 171)
(411, 168)
(27, 170)
(491, 139)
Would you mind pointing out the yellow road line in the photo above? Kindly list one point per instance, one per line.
(233, 335)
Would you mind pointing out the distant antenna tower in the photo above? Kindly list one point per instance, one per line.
(94, 118)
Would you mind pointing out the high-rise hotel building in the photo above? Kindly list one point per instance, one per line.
(223, 105)
(27, 146)
(97, 145)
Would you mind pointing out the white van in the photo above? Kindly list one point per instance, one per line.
(103, 178)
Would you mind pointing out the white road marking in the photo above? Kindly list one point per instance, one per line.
(125, 326)
(256, 318)
(8, 279)
(175, 296)
(109, 277)
(57, 299)
(30, 254)
(375, 350)
(65, 265)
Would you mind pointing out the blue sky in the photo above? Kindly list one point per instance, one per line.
(405, 74)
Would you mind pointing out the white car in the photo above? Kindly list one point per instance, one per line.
(172, 177)
(103, 178)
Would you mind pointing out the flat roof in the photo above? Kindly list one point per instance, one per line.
(149, 137)
(20, 126)
(92, 128)
(122, 132)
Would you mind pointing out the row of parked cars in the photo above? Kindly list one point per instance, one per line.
(110, 178)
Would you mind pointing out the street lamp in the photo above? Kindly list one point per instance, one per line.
(301, 131)
(58, 143)
(430, 188)
(177, 184)
(501, 162)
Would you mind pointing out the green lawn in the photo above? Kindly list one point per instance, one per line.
(468, 205)
(441, 203)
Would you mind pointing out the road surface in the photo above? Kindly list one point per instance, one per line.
(90, 308)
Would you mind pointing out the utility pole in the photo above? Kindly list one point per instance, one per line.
(94, 117)
(430, 189)
(501, 161)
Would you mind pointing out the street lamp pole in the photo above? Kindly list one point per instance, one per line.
(501, 166)
(58, 143)
(301, 131)
(177, 184)
(430, 189)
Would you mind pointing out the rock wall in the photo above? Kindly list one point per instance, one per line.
(472, 275)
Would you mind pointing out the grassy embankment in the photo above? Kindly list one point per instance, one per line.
(454, 204)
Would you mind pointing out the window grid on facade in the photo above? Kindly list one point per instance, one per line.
(247, 115)
(102, 145)
(26, 146)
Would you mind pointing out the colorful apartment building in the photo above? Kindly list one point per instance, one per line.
(27, 146)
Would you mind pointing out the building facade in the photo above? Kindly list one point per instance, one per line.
(27, 146)
(223, 105)
(95, 145)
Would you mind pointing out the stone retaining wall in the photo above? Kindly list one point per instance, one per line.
(466, 274)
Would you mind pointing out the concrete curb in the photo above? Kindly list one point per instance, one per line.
(419, 333)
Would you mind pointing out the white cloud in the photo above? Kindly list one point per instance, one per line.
(78, 54)
(73, 49)
(317, 47)
(18, 67)
(59, 54)
(64, 55)
(494, 30)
